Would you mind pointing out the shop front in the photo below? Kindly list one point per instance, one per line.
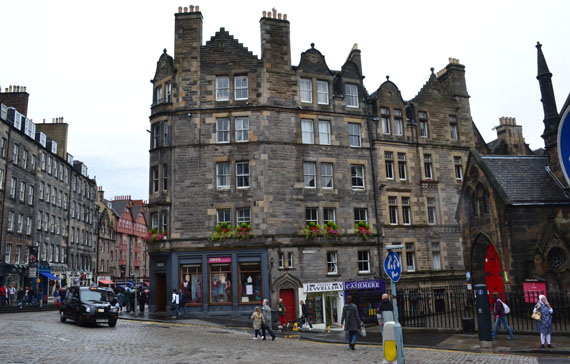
(230, 282)
(12, 274)
(366, 295)
(324, 301)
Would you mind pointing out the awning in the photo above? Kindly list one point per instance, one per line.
(49, 275)
(107, 282)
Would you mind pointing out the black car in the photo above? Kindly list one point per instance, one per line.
(88, 305)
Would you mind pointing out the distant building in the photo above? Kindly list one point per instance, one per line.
(107, 247)
(514, 210)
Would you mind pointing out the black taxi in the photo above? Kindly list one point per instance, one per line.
(88, 305)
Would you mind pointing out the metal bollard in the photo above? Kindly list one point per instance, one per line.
(389, 343)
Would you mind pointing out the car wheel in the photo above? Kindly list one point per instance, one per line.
(78, 320)
(112, 323)
(62, 317)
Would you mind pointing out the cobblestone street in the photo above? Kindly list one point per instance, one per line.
(39, 337)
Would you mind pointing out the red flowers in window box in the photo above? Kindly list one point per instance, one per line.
(362, 229)
(154, 236)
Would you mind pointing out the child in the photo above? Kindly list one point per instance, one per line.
(258, 320)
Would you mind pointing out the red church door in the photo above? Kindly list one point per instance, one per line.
(493, 273)
(288, 296)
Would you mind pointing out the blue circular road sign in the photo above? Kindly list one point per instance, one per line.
(393, 266)
(564, 144)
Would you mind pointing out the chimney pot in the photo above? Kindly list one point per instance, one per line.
(191, 8)
(197, 8)
(284, 16)
(185, 9)
(279, 16)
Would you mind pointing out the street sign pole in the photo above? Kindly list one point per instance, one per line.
(393, 268)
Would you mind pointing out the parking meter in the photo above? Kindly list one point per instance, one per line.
(483, 314)
(389, 343)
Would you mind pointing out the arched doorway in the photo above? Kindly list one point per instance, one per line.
(493, 272)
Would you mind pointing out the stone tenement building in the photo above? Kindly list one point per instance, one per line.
(48, 201)
(240, 139)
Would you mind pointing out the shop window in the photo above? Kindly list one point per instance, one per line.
(250, 288)
(191, 283)
(220, 282)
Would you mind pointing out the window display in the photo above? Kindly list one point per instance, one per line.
(250, 282)
(191, 283)
(314, 302)
(220, 280)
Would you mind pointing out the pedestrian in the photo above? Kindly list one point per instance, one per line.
(3, 295)
(121, 300)
(544, 326)
(141, 298)
(128, 300)
(304, 316)
(182, 301)
(132, 300)
(56, 296)
(268, 322)
(258, 321)
(352, 318)
(175, 303)
(500, 317)
(41, 298)
(385, 311)
(12, 295)
(20, 296)
(31, 295)
(282, 312)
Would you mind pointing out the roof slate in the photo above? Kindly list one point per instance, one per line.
(525, 179)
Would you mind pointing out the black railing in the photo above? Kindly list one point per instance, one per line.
(447, 307)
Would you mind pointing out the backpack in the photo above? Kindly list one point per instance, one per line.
(506, 308)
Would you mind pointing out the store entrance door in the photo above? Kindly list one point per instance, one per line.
(160, 292)
(288, 297)
(331, 308)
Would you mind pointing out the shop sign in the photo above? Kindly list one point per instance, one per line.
(532, 289)
(370, 284)
(32, 272)
(220, 260)
(309, 251)
(322, 287)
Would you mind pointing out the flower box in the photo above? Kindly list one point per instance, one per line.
(362, 229)
(154, 236)
(331, 230)
(313, 230)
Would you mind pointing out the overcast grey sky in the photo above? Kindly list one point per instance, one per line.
(91, 62)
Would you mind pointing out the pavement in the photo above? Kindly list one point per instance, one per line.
(413, 338)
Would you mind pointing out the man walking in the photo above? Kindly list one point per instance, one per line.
(304, 316)
(182, 299)
(501, 317)
(268, 322)
(3, 295)
(175, 303)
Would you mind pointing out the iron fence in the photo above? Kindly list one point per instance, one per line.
(450, 306)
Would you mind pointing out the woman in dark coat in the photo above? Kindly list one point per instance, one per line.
(353, 322)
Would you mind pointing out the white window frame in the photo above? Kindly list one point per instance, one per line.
(159, 95)
(428, 167)
(398, 122)
(243, 175)
(357, 172)
(306, 88)
(458, 168)
(354, 136)
(431, 210)
(363, 258)
(454, 132)
(20, 225)
(332, 262)
(406, 211)
(289, 260)
(281, 260)
(224, 215)
(8, 253)
(389, 160)
(311, 215)
(243, 215)
(327, 212)
(10, 221)
(351, 91)
(165, 132)
(322, 92)
(436, 252)
(324, 132)
(242, 129)
(165, 177)
(309, 174)
(240, 86)
(423, 122)
(168, 92)
(223, 175)
(222, 88)
(402, 167)
(358, 215)
(327, 175)
(393, 210)
(155, 179)
(385, 113)
(13, 183)
(22, 192)
(28, 225)
(308, 131)
(223, 130)
(410, 257)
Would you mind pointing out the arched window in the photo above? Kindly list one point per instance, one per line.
(482, 199)
(471, 202)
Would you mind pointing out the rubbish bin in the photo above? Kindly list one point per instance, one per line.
(468, 325)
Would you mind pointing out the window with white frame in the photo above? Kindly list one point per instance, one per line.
(290, 260)
(39, 220)
(52, 224)
(357, 174)
(3, 147)
(311, 215)
(59, 193)
(322, 92)
(431, 209)
(351, 91)
(410, 258)
(241, 87)
(30, 195)
(435, 256)
(10, 221)
(159, 95)
(154, 179)
(326, 175)
(354, 139)
(48, 191)
(28, 225)
(165, 177)
(1, 179)
(223, 130)
(58, 226)
(402, 167)
(363, 261)
(65, 201)
(53, 196)
(49, 163)
(428, 170)
(165, 132)
(15, 153)
(458, 168)
(329, 214)
(406, 211)
(243, 215)
(385, 114)
(43, 161)
(222, 88)
(20, 223)
(24, 159)
(55, 168)
(393, 209)
(307, 131)
(324, 132)
(223, 175)
(13, 183)
(154, 221)
(281, 260)
(242, 174)
(389, 159)
(360, 215)
(332, 263)
(46, 221)
(155, 135)
(168, 92)
(61, 171)
(242, 129)
(163, 221)
(22, 194)
(422, 117)
(18, 257)
(224, 215)
(398, 122)
(453, 127)
(306, 90)
(8, 252)
(309, 174)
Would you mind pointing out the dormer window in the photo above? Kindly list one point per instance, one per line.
(168, 92)
(306, 90)
(351, 91)
(222, 88)
(159, 98)
(240, 87)
(322, 92)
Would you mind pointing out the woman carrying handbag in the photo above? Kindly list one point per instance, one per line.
(544, 312)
